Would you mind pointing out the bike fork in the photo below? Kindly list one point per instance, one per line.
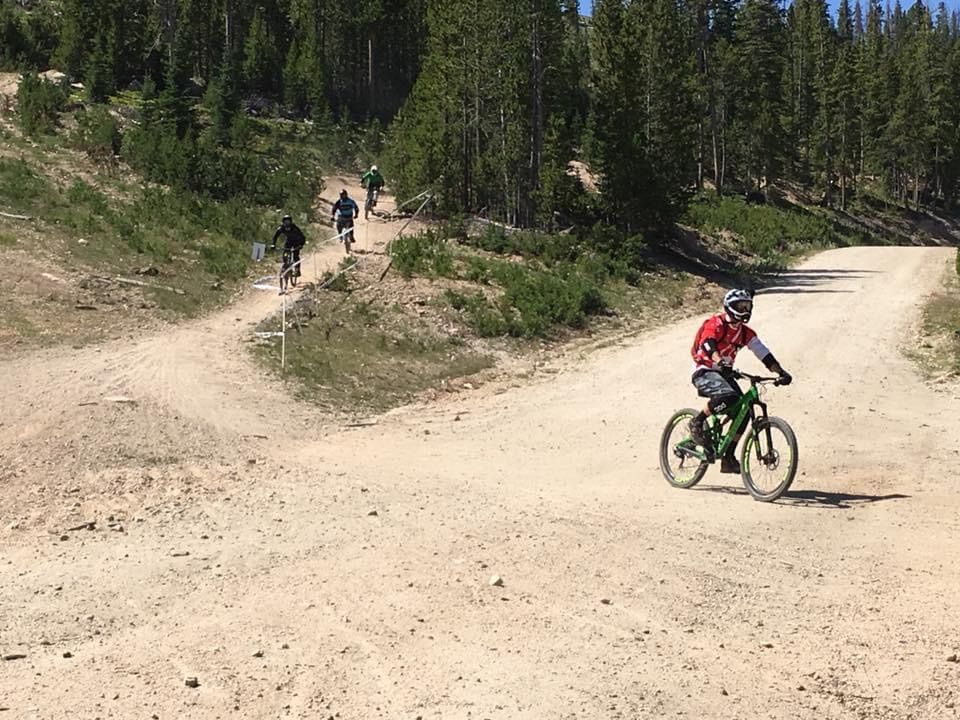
(766, 432)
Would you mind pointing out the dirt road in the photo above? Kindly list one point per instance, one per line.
(345, 573)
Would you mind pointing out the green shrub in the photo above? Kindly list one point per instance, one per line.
(150, 244)
(223, 258)
(539, 300)
(20, 185)
(533, 300)
(424, 254)
(97, 133)
(335, 281)
(486, 320)
(771, 233)
(159, 155)
(82, 194)
(601, 252)
(549, 249)
(86, 209)
(274, 177)
(160, 219)
(39, 104)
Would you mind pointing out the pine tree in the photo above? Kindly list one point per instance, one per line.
(99, 76)
(80, 18)
(222, 101)
(260, 62)
(810, 122)
(845, 21)
(844, 108)
(626, 178)
(759, 54)
(912, 126)
(666, 74)
(175, 105)
(873, 99)
(718, 68)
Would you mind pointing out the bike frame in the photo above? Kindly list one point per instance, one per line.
(744, 408)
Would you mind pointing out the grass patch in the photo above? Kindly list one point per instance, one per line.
(773, 235)
(196, 244)
(16, 322)
(360, 358)
(22, 189)
(939, 352)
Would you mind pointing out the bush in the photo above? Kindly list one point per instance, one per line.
(602, 252)
(424, 254)
(86, 208)
(486, 320)
(222, 258)
(39, 104)
(275, 177)
(20, 184)
(549, 249)
(769, 232)
(219, 232)
(533, 300)
(338, 280)
(97, 133)
(539, 300)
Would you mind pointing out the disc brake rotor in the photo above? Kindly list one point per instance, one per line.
(772, 459)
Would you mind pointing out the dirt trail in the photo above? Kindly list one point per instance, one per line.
(622, 598)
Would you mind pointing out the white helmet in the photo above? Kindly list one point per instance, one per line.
(738, 305)
(373, 168)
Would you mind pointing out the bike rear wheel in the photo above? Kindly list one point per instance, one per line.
(682, 462)
(769, 459)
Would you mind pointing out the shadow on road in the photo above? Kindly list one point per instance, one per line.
(807, 281)
(781, 290)
(813, 498)
(688, 253)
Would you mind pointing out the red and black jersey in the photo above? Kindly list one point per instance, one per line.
(728, 338)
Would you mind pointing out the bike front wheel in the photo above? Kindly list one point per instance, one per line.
(769, 459)
(682, 461)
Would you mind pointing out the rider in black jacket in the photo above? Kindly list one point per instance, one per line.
(294, 239)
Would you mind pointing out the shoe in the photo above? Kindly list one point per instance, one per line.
(729, 465)
(698, 433)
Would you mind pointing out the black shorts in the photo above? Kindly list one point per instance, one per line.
(721, 390)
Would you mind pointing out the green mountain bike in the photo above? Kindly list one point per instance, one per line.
(768, 459)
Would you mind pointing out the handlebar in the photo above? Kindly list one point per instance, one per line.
(754, 379)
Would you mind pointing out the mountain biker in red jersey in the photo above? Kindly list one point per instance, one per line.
(714, 350)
